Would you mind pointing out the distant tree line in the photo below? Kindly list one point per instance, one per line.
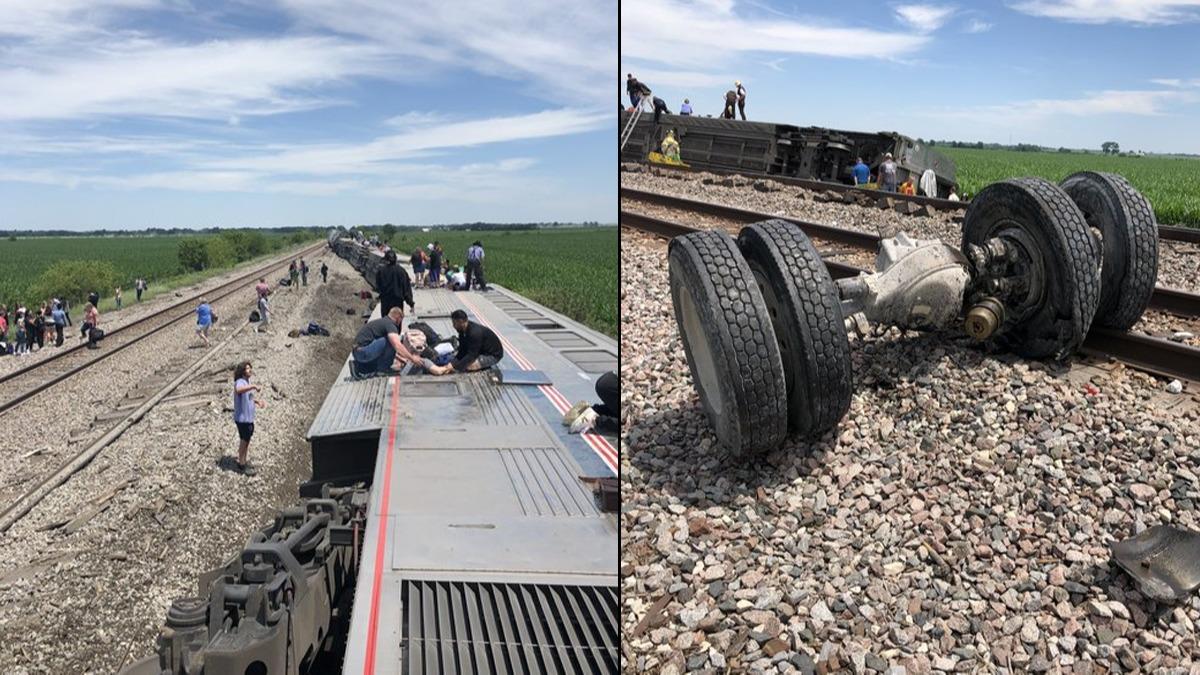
(1107, 147)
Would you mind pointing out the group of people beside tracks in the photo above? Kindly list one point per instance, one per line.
(431, 268)
(885, 178)
(298, 274)
(734, 104)
(25, 330)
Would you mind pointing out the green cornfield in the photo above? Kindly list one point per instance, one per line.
(1172, 184)
(23, 259)
(572, 271)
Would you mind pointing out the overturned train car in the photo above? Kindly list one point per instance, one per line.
(765, 148)
(466, 542)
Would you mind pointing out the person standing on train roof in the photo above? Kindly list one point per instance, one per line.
(686, 108)
(393, 285)
(475, 266)
(741, 99)
(435, 264)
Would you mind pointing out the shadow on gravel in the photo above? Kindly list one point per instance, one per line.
(676, 451)
(228, 463)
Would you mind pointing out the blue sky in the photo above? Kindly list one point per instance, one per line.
(1070, 73)
(182, 113)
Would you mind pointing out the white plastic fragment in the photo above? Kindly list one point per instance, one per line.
(1175, 387)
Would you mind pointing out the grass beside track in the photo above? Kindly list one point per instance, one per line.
(572, 271)
(1170, 183)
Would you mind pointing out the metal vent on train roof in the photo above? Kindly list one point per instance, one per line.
(430, 389)
(465, 627)
(591, 360)
(563, 339)
(544, 483)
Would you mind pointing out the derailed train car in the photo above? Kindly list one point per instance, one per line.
(765, 148)
(447, 526)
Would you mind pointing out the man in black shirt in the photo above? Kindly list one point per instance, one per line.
(730, 102)
(378, 347)
(660, 107)
(479, 347)
(94, 298)
(393, 284)
(324, 272)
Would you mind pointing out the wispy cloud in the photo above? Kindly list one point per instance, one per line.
(680, 78)
(415, 118)
(1144, 12)
(924, 18)
(688, 36)
(366, 157)
(109, 94)
(562, 51)
(1147, 103)
(1177, 83)
(212, 80)
(977, 26)
(56, 20)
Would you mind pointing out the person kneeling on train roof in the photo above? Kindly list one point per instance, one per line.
(379, 347)
(457, 280)
(478, 348)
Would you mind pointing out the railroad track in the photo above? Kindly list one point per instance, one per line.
(153, 391)
(1164, 298)
(1189, 235)
(1151, 354)
(21, 385)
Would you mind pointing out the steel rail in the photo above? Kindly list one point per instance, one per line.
(222, 291)
(1163, 298)
(1151, 354)
(1189, 235)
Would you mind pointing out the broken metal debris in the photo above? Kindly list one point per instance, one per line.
(1164, 561)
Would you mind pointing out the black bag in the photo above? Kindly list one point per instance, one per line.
(95, 335)
(431, 336)
(254, 317)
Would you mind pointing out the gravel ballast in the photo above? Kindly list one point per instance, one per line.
(957, 520)
(92, 599)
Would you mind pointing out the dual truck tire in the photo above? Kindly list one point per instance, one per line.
(761, 320)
